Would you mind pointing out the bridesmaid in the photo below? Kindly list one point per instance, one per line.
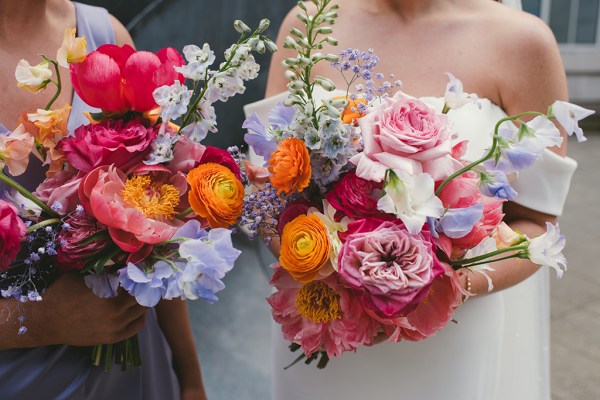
(47, 361)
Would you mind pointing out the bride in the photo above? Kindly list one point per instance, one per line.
(499, 349)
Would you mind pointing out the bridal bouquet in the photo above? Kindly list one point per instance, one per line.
(130, 200)
(376, 212)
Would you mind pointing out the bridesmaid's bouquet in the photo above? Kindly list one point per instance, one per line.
(376, 212)
(131, 200)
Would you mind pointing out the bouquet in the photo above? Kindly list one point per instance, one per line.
(376, 211)
(131, 200)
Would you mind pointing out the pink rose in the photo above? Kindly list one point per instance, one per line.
(335, 324)
(391, 268)
(135, 224)
(61, 188)
(109, 142)
(404, 134)
(186, 155)
(71, 253)
(354, 197)
(464, 192)
(220, 156)
(12, 233)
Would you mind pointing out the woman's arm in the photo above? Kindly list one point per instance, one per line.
(174, 322)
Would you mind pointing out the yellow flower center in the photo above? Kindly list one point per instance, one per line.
(150, 198)
(318, 302)
(225, 189)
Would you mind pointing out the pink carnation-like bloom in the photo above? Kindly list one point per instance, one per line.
(404, 134)
(109, 142)
(12, 233)
(354, 197)
(392, 269)
(71, 253)
(117, 78)
(320, 315)
(102, 194)
(464, 192)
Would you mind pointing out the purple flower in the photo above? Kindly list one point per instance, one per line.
(459, 222)
(495, 184)
(146, 285)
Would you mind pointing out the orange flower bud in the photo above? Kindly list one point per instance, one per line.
(305, 247)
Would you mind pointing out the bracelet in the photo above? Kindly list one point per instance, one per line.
(469, 287)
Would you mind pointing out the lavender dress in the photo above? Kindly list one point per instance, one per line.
(65, 372)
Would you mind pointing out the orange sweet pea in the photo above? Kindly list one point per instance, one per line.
(305, 247)
(351, 114)
(215, 194)
(290, 166)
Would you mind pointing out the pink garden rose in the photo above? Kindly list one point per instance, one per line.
(12, 233)
(137, 216)
(335, 324)
(354, 197)
(109, 142)
(186, 155)
(392, 269)
(464, 192)
(61, 188)
(71, 253)
(404, 134)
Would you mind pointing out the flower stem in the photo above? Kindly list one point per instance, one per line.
(185, 213)
(4, 178)
(58, 85)
(472, 260)
(43, 224)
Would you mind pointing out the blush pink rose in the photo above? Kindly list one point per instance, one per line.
(186, 155)
(109, 142)
(353, 328)
(464, 192)
(100, 194)
(12, 233)
(392, 269)
(354, 197)
(404, 134)
(61, 188)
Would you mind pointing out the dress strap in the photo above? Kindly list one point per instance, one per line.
(94, 23)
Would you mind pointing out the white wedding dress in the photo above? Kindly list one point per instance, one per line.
(498, 350)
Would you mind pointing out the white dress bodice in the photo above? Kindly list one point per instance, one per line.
(499, 347)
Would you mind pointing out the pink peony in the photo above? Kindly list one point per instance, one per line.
(117, 78)
(320, 315)
(220, 156)
(464, 192)
(134, 225)
(391, 268)
(109, 142)
(12, 233)
(186, 155)
(354, 197)
(404, 134)
(71, 253)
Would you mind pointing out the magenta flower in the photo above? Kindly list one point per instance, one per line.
(355, 197)
(72, 254)
(320, 315)
(391, 268)
(12, 233)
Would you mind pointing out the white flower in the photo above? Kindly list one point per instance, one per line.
(173, 100)
(162, 149)
(25, 207)
(198, 61)
(568, 115)
(486, 246)
(224, 85)
(73, 49)
(546, 134)
(412, 199)
(333, 227)
(546, 249)
(33, 77)
(455, 97)
(249, 69)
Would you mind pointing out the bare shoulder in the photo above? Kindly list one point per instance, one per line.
(122, 36)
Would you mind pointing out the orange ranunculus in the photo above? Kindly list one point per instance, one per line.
(351, 114)
(215, 194)
(305, 247)
(289, 166)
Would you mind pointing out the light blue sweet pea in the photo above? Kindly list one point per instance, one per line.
(496, 185)
(459, 222)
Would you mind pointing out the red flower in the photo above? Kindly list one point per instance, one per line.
(71, 253)
(354, 197)
(117, 78)
(220, 156)
(12, 233)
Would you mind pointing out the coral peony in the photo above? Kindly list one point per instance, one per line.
(117, 78)
(290, 167)
(407, 135)
(109, 142)
(12, 233)
(215, 194)
(355, 197)
(305, 247)
(320, 315)
(392, 269)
